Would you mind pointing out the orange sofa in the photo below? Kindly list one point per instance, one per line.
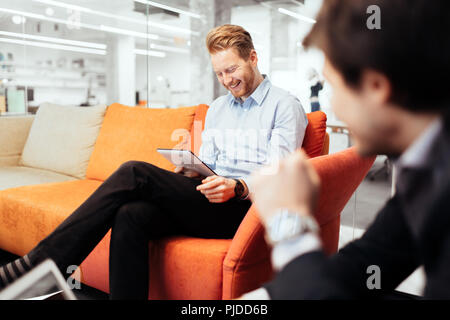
(180, 267)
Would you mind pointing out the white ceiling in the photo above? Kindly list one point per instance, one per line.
(123, 8)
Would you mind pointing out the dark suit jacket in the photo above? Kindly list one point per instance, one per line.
(412, 229)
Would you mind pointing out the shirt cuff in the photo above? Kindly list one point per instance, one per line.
(286, 251)
(258, 294)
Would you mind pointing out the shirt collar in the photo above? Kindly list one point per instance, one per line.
(258, 95)
(417, 154)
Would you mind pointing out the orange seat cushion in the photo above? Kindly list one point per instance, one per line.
(180, 267)
(28, 214)
(183, 268)
(315, 133)
(134, 133)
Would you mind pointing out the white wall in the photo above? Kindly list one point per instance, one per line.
(256, 20)
(174, 68)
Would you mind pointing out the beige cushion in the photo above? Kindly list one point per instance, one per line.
(62, 138)
(13, 135)
(11, 177)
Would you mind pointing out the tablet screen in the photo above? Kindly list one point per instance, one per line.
(185, 158)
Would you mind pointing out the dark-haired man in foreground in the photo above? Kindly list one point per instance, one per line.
(382, 90)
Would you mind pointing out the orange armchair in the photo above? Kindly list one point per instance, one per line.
(247, 264)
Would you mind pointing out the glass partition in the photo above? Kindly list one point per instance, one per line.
(91, 52)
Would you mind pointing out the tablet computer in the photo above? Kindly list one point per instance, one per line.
(186, 159)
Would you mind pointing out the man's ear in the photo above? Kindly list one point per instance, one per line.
(253, 58)
(376, 87)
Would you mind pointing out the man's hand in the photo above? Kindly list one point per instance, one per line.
(186, 172)
(291, 184)
(217, 189)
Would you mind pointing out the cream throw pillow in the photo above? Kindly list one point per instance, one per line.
(62, 138)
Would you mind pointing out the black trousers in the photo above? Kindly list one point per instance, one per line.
(140, 202)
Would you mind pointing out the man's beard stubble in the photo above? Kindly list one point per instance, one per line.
(247, 85)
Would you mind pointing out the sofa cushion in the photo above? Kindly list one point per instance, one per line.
(315, 133)
(30, 213)
(12, 177)
(134, 133)
(62, 138)
(13, 135)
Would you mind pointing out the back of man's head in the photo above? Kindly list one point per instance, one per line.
(409, 44)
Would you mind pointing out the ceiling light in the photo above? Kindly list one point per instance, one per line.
(88, 26)
(152, 53)
(168, 48)
(163, 6)
(129, 32)
(296, 15)
(56, 40)
(110, 15)
(53, 46)
(49, 11)
(18, 19)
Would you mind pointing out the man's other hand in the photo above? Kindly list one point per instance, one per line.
(217, 189)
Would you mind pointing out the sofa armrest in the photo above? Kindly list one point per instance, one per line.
(13, 135)
(326, 144)
(247, 264)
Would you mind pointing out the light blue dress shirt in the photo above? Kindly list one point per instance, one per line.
(240, 137)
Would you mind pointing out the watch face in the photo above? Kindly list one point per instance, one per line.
(239, 188)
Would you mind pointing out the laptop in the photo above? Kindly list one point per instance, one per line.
(43, 282)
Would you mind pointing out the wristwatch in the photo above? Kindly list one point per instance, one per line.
(239, 189)
(286, 225)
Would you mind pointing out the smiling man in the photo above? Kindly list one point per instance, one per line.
(255, 124)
